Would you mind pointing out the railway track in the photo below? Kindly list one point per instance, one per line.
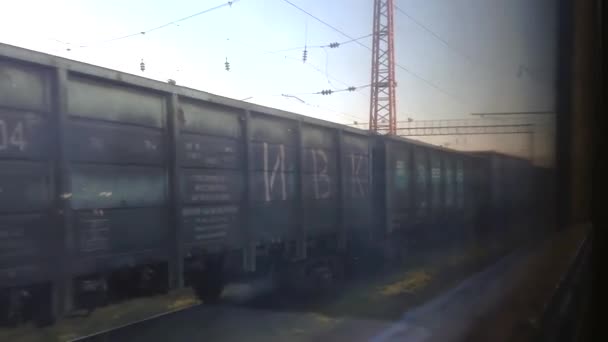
(110, 334)
(266, 323)
(260, 311)
(235, 296)
(266, 312)
(277, 321)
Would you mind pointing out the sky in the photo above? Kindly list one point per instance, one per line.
(473, 67)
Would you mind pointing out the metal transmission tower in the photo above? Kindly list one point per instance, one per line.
(383, 111)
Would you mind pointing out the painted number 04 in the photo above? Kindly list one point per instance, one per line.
(12, 136)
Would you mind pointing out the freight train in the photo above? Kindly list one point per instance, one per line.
(113, 185)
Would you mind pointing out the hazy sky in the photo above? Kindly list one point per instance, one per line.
(488, 41)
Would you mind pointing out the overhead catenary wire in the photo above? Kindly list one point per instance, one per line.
(333, 91)
(330, 45)
(344, 115)
(426, 81)
(328, 76)
(325, 23)
(310, 65)
(452, 47)
(174, 22)
(352, 40)
(229, 4)
(432, 33)
(349, 117)
(321, 92)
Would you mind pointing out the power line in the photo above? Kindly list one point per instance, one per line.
(332, 91)
(355, 39)
(312, 66)
(429, 83)
(454, 49)
(328, 76)
(294, 97)
(344, 115)
(450, 46)
(229, 4)
(347, 116)
(322, 92)
(330, 45)
(543, 112)
(431, 32)
(325, 23)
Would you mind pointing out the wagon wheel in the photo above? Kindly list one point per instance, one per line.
(316, 276)
(209, 284)
(209, 289)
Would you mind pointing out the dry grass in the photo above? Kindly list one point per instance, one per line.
(412, 282)
(387, 297)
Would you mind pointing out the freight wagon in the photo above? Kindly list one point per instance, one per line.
(112, 185)
(515, 197)
(424, 195)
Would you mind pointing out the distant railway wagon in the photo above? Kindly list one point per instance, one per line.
(513, 193)
(112, 185)
(424, 194)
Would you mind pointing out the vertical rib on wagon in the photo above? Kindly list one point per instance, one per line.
(62, 284)
(176, 260)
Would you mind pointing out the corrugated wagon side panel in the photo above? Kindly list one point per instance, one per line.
(356, 171)
(93, 99)
(25, 239)
(460, 184)
(111, 143)
(471, 197)
(273, 179)
(109, 186)
(437, 180)
(24, 187)
(120, 230)
(116, 153)
(26, 192)
(484, 193)
(421, 183)
(320, 180)
(24, 87)
(397, 185)
(497, 185)
(449, 182)
(211, 177)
